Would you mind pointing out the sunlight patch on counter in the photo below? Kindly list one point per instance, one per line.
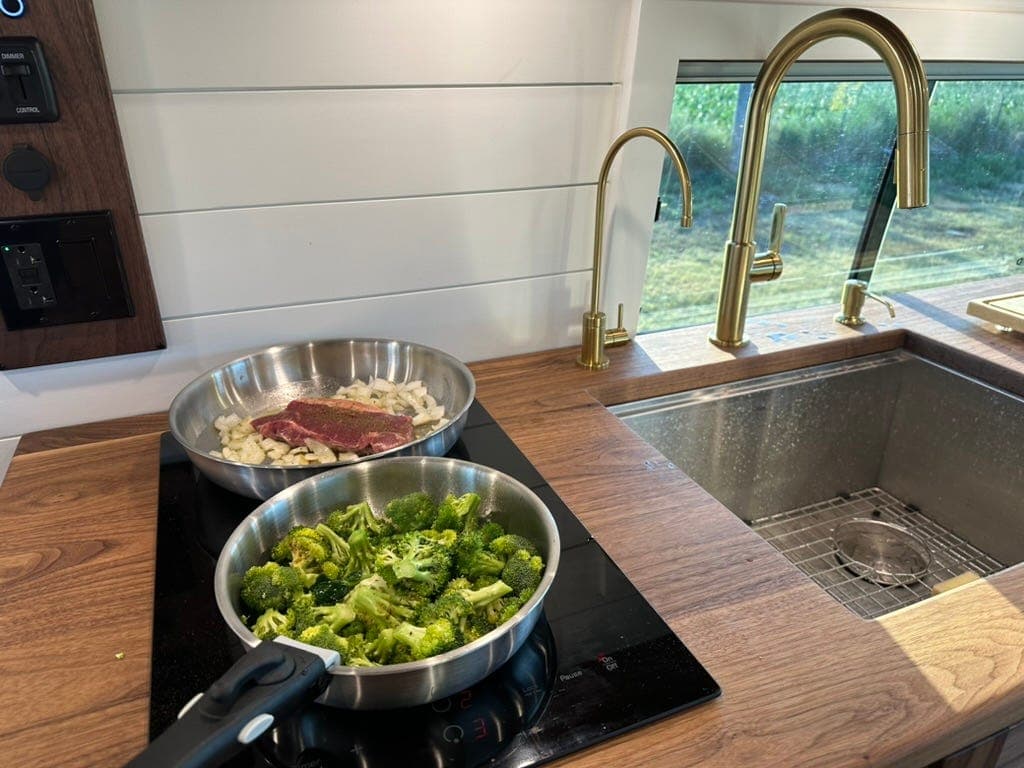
(968, 643)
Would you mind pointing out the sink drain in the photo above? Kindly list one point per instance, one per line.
(881, 552)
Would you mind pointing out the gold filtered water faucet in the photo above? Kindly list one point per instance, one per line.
(595, 337)
(742, 264)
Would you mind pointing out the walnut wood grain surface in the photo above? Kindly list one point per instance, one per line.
(90, 174)
(77, 553)
(93, 432)
(805, 682)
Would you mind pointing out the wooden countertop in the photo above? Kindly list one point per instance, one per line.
(804, 681)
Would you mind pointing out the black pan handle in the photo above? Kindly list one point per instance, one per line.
(270, 681)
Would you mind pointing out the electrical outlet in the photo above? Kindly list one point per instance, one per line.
(29, 275)
(61, 269)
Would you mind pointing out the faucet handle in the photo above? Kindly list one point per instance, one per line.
(778, 223)
(614, 337)
(768, 265)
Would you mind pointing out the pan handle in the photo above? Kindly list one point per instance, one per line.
(271, 680)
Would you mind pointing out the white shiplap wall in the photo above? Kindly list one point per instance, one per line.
(326, 168)
(406, 169)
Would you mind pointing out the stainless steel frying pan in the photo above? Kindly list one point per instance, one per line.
(277, 678)
(266, 381)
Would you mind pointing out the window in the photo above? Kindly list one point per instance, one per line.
(828, 158)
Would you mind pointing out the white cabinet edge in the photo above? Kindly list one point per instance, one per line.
(8, 445)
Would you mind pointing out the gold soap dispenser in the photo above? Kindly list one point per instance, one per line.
(852, 303)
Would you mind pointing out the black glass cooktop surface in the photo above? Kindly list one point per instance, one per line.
(600, 662)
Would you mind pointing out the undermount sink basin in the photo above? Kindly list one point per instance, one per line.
(893, 437)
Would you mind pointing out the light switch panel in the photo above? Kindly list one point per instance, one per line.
(26, 90)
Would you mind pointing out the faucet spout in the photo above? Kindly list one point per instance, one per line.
(595, 338)
(911, 170)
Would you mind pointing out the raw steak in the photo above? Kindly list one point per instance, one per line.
(342, 425)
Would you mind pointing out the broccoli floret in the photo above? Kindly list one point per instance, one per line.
(301, 614)
(357, 517)
(497, 612)
(270, 624)
(479, 598)
(337, 546)
(454, 511)
(523, 572)
(474, 627)
(446, 538)
(382, 648)
(376, 604)
(489, 531)
(329, 591)
(412, 512)
(321, 636)
(451, 606)
(358, 652)
(361, 556)
(423, 642)
(510, 607)
(510, 543)
(357, 627)
(308, 548)
(308, 578)
(459, 582)
(281, 552)
(473, 560)
(415, 561)
(335, 616)
(271, 585)
(387, 554)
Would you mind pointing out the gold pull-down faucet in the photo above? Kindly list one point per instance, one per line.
(742, 265)
(595, 337)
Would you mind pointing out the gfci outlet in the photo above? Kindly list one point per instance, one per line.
(29, 276)
(61, 269)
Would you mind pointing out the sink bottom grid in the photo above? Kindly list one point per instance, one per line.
(804, 536)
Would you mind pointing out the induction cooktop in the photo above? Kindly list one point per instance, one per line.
(600, 662)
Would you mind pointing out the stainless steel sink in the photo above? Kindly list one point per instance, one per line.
(893, 437)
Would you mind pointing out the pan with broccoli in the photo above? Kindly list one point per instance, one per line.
(329, 597)
(424, 577)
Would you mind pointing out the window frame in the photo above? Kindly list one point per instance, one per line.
(670, 31)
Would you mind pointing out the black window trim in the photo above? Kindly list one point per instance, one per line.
(721, 71)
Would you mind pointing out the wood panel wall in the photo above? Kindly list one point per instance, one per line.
(90, 174)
